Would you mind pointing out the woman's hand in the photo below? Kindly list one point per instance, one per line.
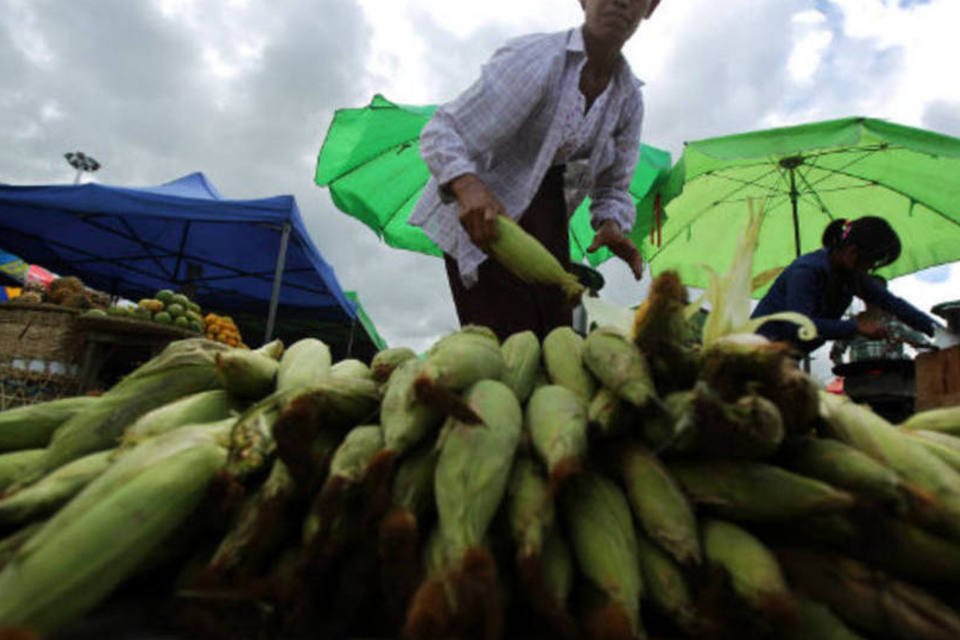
(609, 235)
(479, 209)
(871, 328)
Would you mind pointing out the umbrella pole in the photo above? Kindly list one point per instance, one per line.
(794, 196)
(277, 278)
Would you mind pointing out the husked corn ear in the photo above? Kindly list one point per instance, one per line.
(42, 589)
(386, 361)
(945, 420)
(15, 464)
(351, 368)
(868, 599)
(474, 465)
(604, 541)
(666, 586)
(660, 505)
(557, 420)
(862, 428)
(50, 492)
(756, 492)
(247, 374)
(523, 256)
(521, 357)
(563, 360)
(618, 364)
(847, 468)
(754, 573)
(197, 408)
(32, 426)
(405, 419)
(306, 362)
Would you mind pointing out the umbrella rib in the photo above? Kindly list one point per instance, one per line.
(397, 148)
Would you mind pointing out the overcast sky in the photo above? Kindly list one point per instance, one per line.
(244, 90)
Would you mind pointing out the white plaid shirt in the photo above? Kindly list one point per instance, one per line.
(524, 115)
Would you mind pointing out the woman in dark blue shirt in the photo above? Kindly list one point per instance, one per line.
(822, 284)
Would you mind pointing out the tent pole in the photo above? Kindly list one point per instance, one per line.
(277, 278)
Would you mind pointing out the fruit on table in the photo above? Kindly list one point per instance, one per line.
(222, 329)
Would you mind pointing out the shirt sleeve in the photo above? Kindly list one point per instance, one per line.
(488, 113)
(610, 197)
(804, 287)
(874, 293)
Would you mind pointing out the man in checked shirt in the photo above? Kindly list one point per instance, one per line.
(552, 118)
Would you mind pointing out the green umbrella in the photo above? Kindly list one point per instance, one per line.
(370, 160)
(809, 175)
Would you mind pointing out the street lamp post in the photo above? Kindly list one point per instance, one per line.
(81, 162)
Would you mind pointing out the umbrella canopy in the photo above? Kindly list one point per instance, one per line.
(370, 160)
(809, 175)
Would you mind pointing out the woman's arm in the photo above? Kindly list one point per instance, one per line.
(803, 292)
(610, 195)
(873, 292)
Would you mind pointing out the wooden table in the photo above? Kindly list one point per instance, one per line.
(104, 339)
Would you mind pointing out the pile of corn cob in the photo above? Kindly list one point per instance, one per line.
(626, 484)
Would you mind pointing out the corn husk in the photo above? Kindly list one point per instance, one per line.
(664, 335)
(41, 590)
(183, 368)
(523, 256)
(608, 415)
(521, 359)
(305, 363)
(207, 406)
(454, 363)
(556, 419)
(868, 599)
(756, 492)
(50, 492)
(15, 464)
(247, 374)
(749, 428)
(817, 621)
(386, 361)
(944, 420)
(32, 426)
(563, 361)
(865, 430)
(935, 444)
(405, 419)
(755, 576)
(666, 586)
(273, 349)
(10, 545)
(530, 507)
(618, 364)
(909, 551)
(604, 542)
(351, 368)
(659, 504)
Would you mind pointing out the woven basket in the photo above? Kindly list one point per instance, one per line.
(40, 350)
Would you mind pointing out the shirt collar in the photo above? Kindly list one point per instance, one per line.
(575, 44)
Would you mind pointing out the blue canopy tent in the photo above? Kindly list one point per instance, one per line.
(244, 257)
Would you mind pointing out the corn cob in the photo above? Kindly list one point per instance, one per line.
(197, 408)
(756, 492)
(50, 492)
(847, 468)
(605, 545)
(305, 363)
(666, 586)
(246, 374)
(557, 421)
(32, 426)
(818, 621)
(39, 590)
(945, 420)
(563, 360)
(16, 464)
(865, 430)
(521, 357)
(659, 504)
(385, 362)
(182, 368)
(523, 256)
(754, 573)
(868, 599)
(453, 364)
(351, 368)
(618, 364)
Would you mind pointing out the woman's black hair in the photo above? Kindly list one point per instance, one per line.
(874, 238)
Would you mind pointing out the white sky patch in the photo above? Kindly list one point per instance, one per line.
(814, 39)
(51, 111)
(23, 31)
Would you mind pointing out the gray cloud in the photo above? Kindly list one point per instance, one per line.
(943, 116)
